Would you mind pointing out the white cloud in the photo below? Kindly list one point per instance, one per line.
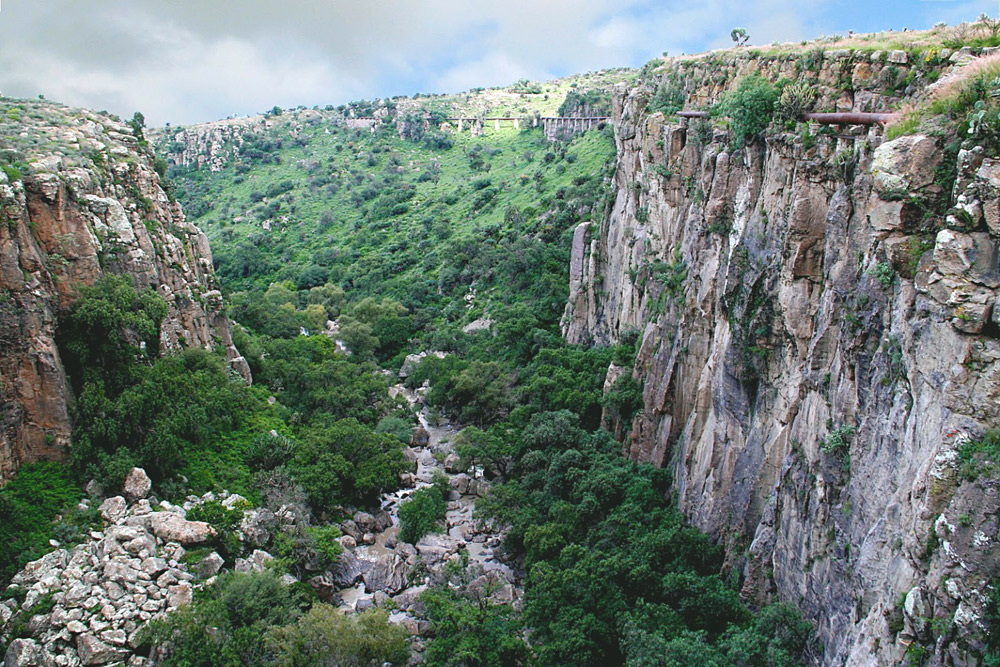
(194, 60)
(492, 69)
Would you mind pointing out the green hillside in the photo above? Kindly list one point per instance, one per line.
(427, 220)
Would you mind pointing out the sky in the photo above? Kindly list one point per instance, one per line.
(188, 61)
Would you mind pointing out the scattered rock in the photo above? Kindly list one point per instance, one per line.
(93, 651)
(209, 565)
(137, 484)
(22, 653)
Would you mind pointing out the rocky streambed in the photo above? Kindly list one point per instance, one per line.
(377, 569)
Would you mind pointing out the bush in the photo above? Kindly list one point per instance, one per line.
(838, 442)
(326, 636)
(748, 107)
(796, 100)
(398, 427)
(171, 419)
(228, 623)
(28, 505)
(424, 510)
(268, 451)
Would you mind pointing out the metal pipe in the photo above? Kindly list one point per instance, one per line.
(852, 118)
(845, 118)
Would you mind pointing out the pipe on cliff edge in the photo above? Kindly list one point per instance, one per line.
(840, 118)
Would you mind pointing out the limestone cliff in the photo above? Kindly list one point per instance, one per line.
(79, 197)
(818, 337)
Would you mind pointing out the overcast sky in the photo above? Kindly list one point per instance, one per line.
(185, 61)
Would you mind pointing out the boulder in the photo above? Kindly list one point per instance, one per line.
(259, 560)
(154, 566)
(453, 464)
(365, 522)
(179, 594)
(37, 570)
(235, 501)
(209, 565)
(22, 653)
(383, 520)
(172, 528)
(137, 484)
(93, 651)
(351, 528)
(113, 509)
(461, 483)
(409, 600)
(347, 571)
(905, 164)
(390, 574)
(257, 525)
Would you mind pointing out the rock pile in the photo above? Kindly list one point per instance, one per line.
(86, 605)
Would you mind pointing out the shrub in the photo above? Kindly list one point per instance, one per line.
(268, 451)
(326, 636)
(28, 504)
(796, 100)
(227, 624)
(884, 274)
(398, 427)
(748, 107)
(838, 442)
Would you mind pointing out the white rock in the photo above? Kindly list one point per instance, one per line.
(137, 484)
(113, 509)
(168, 526)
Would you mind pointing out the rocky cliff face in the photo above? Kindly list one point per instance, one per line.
(80, 198)
(207, 144)
(818, 339)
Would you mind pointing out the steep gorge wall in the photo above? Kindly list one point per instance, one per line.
(88, 202)
(786, 293)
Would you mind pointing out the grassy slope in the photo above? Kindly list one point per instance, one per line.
(342, 211)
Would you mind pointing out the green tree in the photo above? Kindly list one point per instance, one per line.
(345, 462)
(107, 330)
(468, 630)
(424, 510)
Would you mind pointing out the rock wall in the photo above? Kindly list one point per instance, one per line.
(817, 341)
(80, 198)
(207, 144)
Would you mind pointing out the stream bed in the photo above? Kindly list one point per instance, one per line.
(378, 569)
